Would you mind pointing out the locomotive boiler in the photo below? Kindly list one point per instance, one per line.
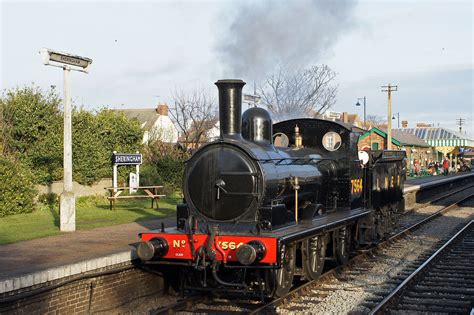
(266, 202)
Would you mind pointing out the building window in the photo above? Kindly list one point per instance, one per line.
(375, 146)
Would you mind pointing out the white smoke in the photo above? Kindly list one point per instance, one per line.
(294, 33)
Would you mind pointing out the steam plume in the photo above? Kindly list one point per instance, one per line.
(291, 33)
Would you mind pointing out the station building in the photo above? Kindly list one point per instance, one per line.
(446, 142)
(415, 147)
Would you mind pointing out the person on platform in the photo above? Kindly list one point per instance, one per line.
(445, 167)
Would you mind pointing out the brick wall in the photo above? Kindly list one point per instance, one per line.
(97, 189)
(372, 138)
(125, 291)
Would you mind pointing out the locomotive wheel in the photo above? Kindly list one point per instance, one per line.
(314, 254)
(341, 243)
(282, 278)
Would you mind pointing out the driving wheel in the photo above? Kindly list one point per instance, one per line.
(313, 255)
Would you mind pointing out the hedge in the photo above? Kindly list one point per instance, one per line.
(32, 131)
(17, 189)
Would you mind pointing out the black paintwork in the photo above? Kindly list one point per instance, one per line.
(246, 185)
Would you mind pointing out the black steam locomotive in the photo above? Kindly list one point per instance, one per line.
(267, 202)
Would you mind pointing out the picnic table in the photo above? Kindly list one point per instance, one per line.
(149, 192)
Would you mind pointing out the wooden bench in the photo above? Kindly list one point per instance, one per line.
(150, 192)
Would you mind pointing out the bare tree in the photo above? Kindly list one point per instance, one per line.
(309, 92)
(375, 121)
(193, 114)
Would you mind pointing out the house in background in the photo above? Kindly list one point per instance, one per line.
(345, 117)
(156, 123)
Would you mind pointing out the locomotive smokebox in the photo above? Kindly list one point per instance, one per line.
(230, 108)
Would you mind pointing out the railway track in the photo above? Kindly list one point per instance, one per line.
(317, 290)
(338, 279)
(443, 283)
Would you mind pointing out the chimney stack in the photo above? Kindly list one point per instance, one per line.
(230, 108)
(162, 109)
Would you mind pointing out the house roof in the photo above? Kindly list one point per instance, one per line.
(146, 116)
(409, 139)
(380, 133)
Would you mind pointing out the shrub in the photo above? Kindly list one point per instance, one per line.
(50, 199)
(31, 124)
(32, 130)
(17, 190)
(166, 162)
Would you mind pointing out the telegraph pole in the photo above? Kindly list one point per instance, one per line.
(460, 122)
(389, 89)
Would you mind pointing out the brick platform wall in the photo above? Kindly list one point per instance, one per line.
(124, 291)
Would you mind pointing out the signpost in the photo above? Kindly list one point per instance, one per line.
(77, 63)
(127, 159)
(252, 99)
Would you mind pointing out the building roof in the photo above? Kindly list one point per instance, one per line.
(409, 139)
(434, 133)
(146, 116)
(439, 136)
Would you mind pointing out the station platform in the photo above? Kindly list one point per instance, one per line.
(41, 260)
(34, 262)
(423, 182)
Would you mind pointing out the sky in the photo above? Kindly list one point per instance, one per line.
(143, 51)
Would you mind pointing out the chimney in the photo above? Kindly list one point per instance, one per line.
(230, 108)
(162, 109)
(345, 117)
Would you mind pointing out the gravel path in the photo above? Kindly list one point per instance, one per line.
(357, 288)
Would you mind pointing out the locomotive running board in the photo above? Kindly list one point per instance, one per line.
(328, 222)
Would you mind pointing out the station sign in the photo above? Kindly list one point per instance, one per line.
(251, 98)
(68, 59)
(62, 59)
(126, 159)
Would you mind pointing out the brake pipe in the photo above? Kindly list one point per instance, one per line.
(219, 249)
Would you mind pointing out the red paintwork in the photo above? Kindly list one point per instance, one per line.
(222, 244)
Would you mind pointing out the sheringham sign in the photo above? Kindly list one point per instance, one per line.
(60, 59)
(126, 159)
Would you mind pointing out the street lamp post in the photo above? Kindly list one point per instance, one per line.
(68, 62)
(358, 104)
(398, 119)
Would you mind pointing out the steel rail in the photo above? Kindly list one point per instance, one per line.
(179, 305)
(417, 206)
(388, 299)
(429, 218)
(275, 303)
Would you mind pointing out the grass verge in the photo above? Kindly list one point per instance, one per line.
(91, 212)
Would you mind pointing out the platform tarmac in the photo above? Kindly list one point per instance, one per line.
(37, 261)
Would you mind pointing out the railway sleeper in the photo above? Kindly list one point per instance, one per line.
(429, 308)
(444, 268)
(440, 288)
(438, 295)
(436, 284)
(433, 302)
(455, 278)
